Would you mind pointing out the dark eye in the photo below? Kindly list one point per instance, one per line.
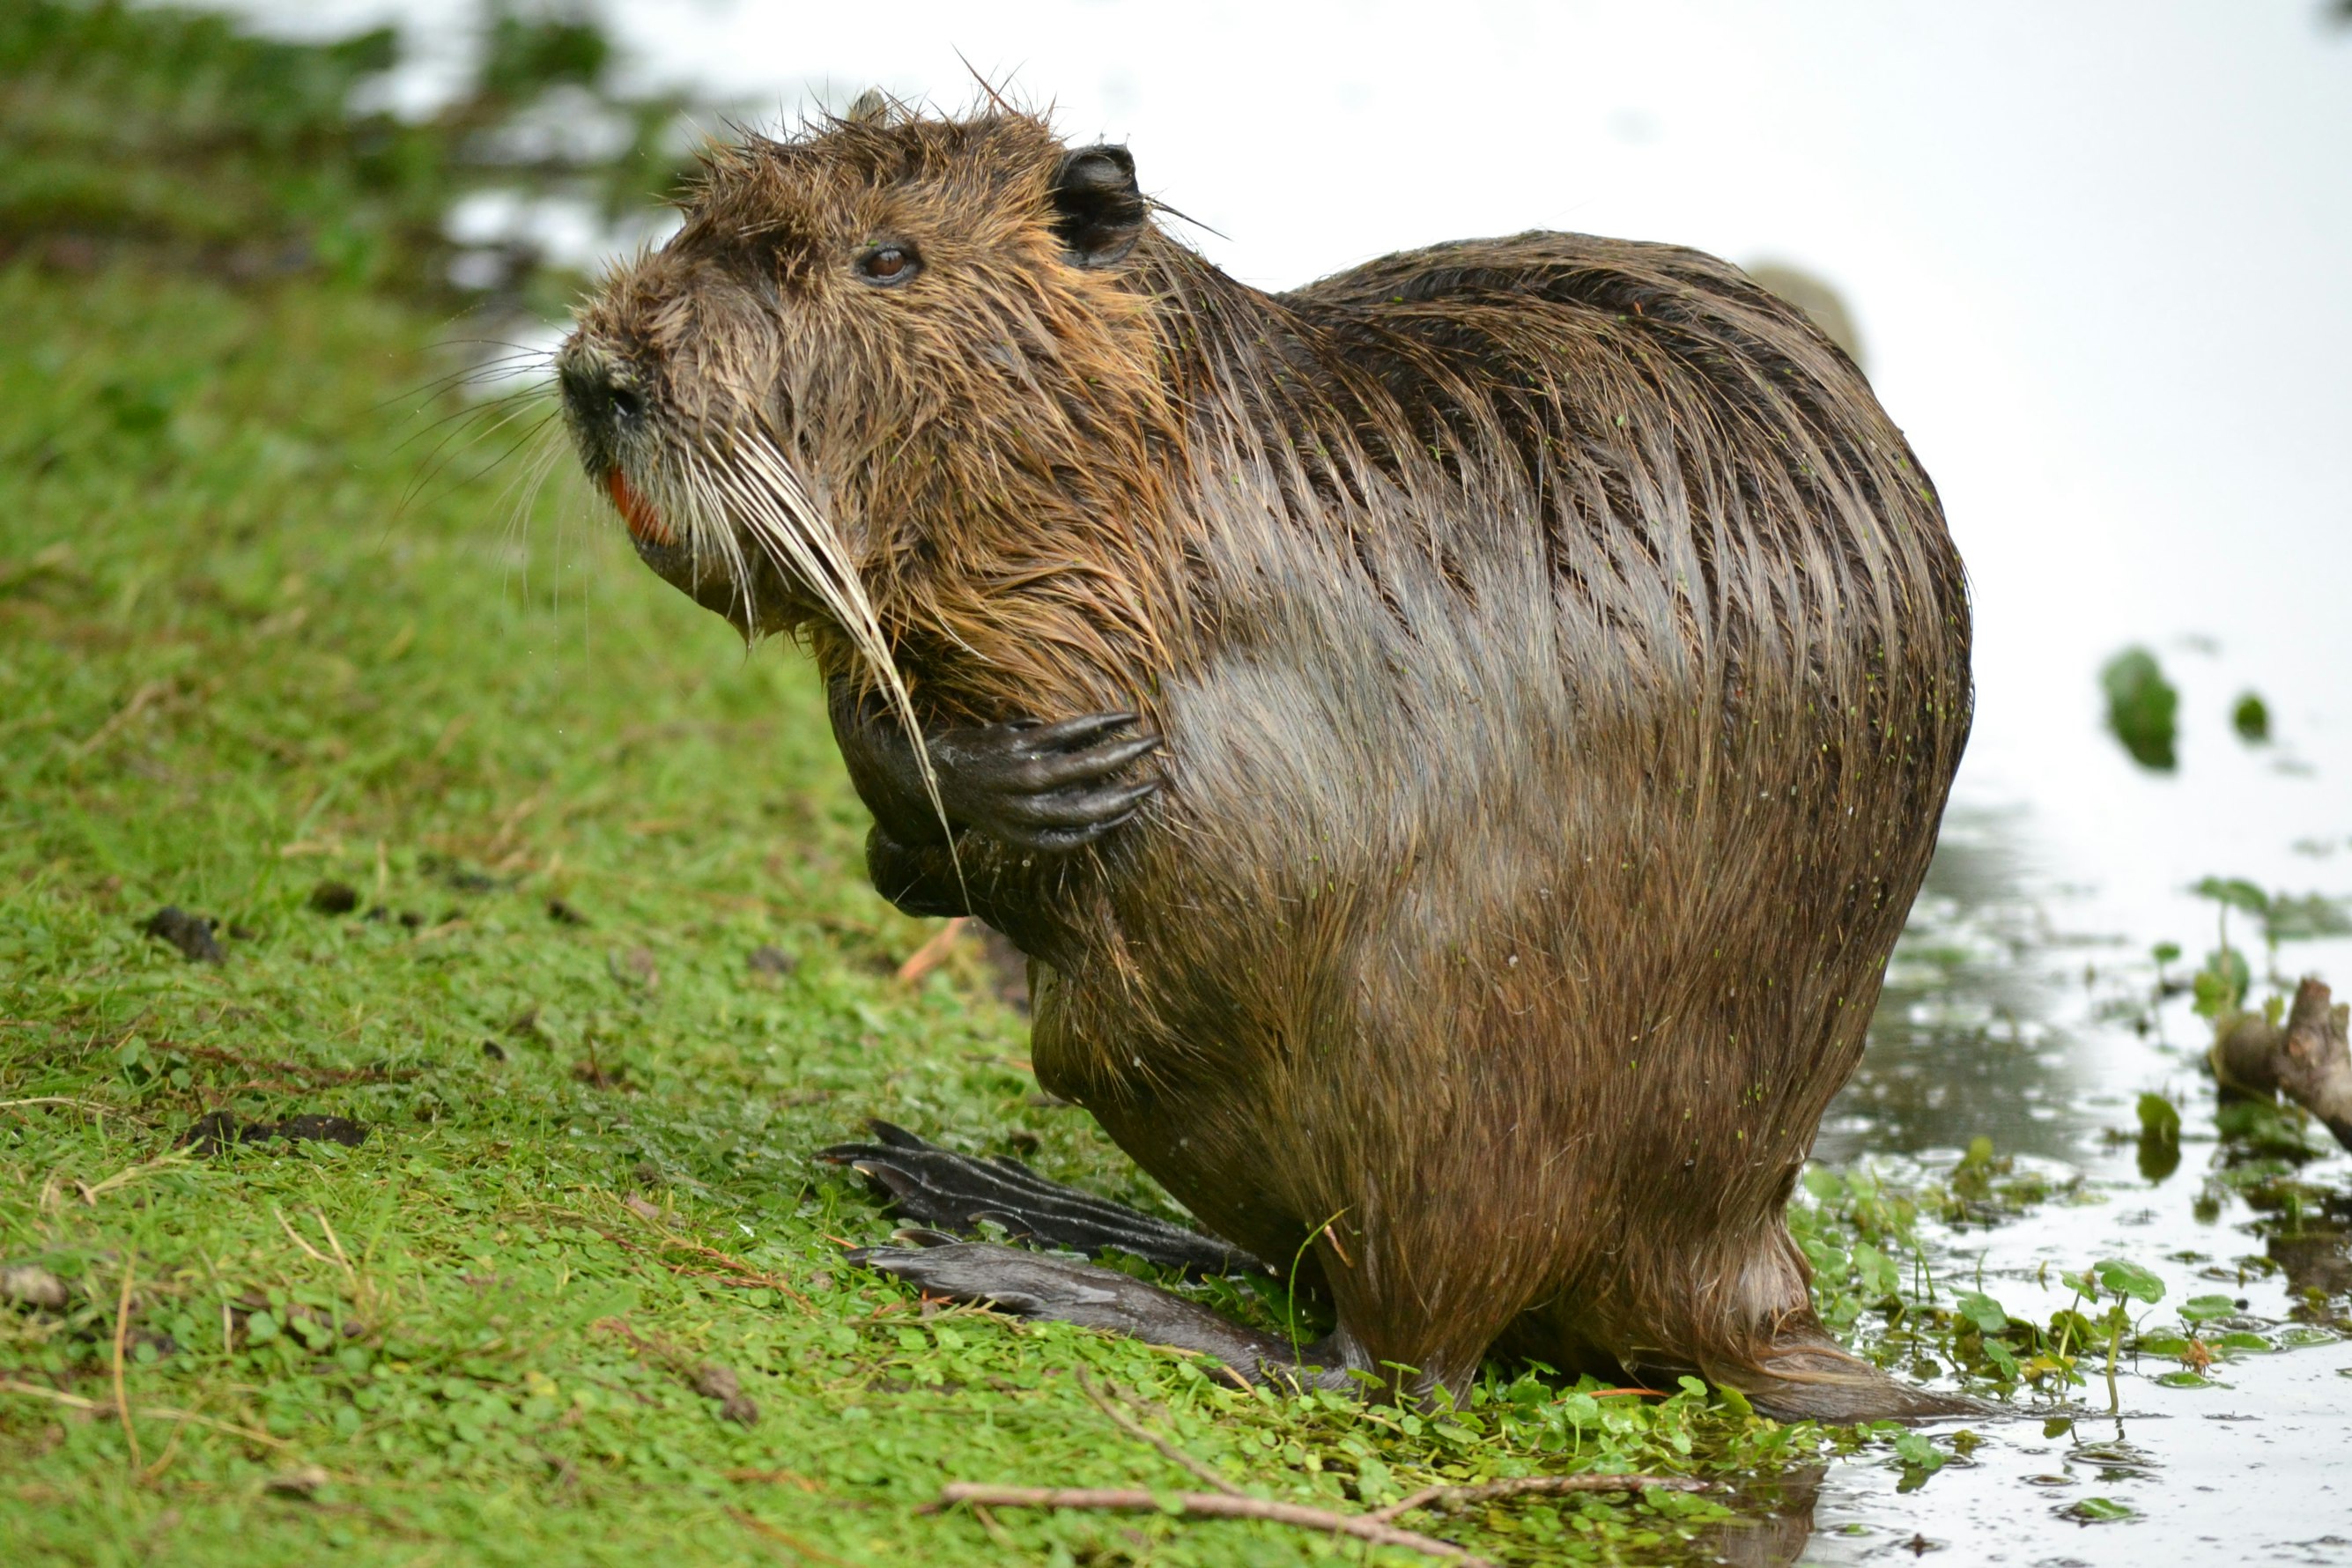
(888, 264)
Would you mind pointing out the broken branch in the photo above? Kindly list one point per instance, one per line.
(932, 953)
(121, 1331)
(2309, 1060)
(150, 1413)
(1204, 1505)
(1134, 1428)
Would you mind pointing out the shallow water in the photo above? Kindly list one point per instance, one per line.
(2017, 1011)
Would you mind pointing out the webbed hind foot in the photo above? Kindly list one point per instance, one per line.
(1061, 1290)
(1807, 1378)
(934, 1186)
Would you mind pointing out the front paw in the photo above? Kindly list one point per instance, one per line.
(1053, 787)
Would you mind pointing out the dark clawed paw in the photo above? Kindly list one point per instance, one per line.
(937, 1188)
(1026, 1284)
(1038, 1285)
(1052, 787)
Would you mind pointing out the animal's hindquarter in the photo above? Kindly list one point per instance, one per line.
(1532, 848)
(1437, 935)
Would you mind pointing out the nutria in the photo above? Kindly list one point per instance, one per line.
(1457, 741)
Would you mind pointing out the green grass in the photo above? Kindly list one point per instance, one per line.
(238, 656)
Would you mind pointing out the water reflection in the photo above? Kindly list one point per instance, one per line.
(1998, 1022)
(1966, 1043)
(1776, 1520)
(2317, 1264)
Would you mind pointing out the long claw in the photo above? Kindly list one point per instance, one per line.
(1060, 770)
(1063, 840)
(1068, 735)
(1078, 808)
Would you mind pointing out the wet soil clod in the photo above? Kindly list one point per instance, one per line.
(708, 1378)
(211, 1133)
(334, 898)
(715, 1381)
(191, 934)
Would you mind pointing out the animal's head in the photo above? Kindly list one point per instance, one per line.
(862, 338)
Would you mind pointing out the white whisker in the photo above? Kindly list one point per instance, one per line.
(708, 508)
(779, 514)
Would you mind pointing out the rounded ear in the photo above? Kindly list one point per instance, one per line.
(1098, 212)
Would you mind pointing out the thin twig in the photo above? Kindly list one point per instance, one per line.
(741, 1270)
(1446, 1496)
(91, 1193)
(673, 1242)
(776, 1477)
(139, 703)
(1169, 1450)
(152, 1413)
(341, 1256)
(1206, 1505)
(121, 1331)
(754, 1522)
(316, 1254)
(932, 953)
(179, 1429)
(314, 1076)
(93, 1107)
(995, 1531)
(732, 1269)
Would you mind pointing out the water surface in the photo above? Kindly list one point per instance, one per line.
(2020, 1010)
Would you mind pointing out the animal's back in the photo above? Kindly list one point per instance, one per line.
(1581, 671)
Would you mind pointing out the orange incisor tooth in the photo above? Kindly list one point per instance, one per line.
(645, 525)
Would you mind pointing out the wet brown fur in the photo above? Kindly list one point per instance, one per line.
(1561, 661)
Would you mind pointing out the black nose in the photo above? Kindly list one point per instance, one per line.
(598, 394)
